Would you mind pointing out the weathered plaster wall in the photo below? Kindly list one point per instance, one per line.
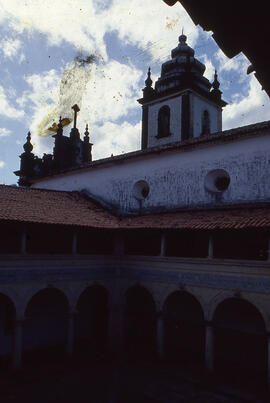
(175, 122)
(176, 179)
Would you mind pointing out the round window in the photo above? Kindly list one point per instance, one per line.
(217, 181)
(141, 190)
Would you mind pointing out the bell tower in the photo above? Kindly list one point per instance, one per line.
(183, 104)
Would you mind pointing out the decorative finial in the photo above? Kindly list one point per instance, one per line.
(216, 83)
(60, 127)
(86, 133)
(182, 38)
(148, 81)
(28, 147)
(76, 110)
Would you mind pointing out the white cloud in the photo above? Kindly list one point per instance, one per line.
(112, 138)
(209, 67)
(4, 132)
(253, 108)
(111, 92)
(75, 22)
(10, 47)
(6, 109)
(2, 164)
(238, 63)
(154, 28)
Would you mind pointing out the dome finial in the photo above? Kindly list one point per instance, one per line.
(216, 83)
(148, 81)
(28, 147)
(86, 133)
(182, 38)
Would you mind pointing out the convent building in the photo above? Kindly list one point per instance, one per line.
(162, 252)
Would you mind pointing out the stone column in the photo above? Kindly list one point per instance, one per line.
(116, 328)
(160, 336)
(210, 247)
(70, 334)
(74, 243)
(23, 242)
(209, 347)
(163, 245)
(17, 343)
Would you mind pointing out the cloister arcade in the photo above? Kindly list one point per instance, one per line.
(226, 334)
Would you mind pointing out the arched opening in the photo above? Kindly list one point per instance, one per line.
(184, 333)
(240, 347)
(91, 331)
(140, 323)
(45, 325)
(205, 122)
(164, 121)
(7, 317)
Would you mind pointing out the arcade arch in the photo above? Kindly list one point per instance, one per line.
(240, 341)
(91, 329)
(45, 324)
(7, 317)
(140, 323)
(184, 335)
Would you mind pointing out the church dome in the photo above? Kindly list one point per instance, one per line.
(182, 71)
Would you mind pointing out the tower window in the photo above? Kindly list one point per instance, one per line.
(164, 122)
(205, 122)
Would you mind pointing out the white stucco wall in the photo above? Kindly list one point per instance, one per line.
(176, 179)
(175, 122)
(198, 106)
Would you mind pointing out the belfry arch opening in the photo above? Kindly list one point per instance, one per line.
(206, 122)
(164, 117)
(45, 325)
(183, 329)
(240, 342)
(7, 317)
(91, 331)
(140, 323)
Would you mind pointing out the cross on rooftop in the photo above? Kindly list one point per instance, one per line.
(76, 110)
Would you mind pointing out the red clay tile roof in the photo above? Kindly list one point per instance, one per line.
(71, 208)
(52, 207)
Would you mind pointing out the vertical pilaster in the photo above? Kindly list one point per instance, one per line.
(160, 336)
(144, 127)
(70, 334)
(116, 328)
(74, 243)
(23, 242)
(163, 245)
(209, 347)
(17, 344)
(185, 117)
(210, 247)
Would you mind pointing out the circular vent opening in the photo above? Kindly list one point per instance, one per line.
(217, 181)
(141, 190)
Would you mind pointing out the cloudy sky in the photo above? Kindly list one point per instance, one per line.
(43, 46)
